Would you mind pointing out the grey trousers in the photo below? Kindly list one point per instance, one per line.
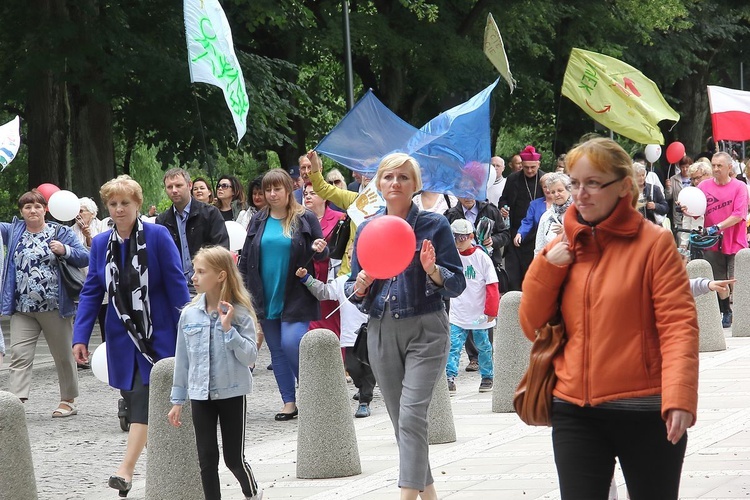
(408, 356)
(24, 334)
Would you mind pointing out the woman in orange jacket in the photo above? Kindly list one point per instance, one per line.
(628, 374)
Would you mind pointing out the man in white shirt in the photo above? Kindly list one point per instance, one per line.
(496, 189)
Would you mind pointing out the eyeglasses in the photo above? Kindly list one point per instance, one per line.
(223, 186)
(591, 186)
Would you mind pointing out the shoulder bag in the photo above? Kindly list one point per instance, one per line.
(71, 277)
(360, 346)
(533, 397)
(338, 238)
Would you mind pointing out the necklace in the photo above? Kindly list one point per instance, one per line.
(536, 183)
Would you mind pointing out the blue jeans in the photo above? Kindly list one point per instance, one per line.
(481, 340)
(283, 341)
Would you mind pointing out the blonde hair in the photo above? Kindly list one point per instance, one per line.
(606, 156)
(232, 289)
(277, 177)
(122, 185)
(395, 160)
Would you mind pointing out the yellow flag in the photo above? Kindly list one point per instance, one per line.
(494, 49)
(617, 95)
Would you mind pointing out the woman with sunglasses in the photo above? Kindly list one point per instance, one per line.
(230, 198)
(622, 292)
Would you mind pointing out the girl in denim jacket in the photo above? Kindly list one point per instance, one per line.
(215, 347)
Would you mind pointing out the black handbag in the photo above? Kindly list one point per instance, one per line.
(360, 346)
(338, 238)
(71, 277)
(503, 280)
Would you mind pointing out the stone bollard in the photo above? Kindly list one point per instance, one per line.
(711, 336)
(16, 467)
(741, 306)
(326, 441)
(440, 426)
(511, 353)
(172, 457)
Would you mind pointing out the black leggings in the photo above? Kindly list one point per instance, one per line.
(587, 440)
(231, 413)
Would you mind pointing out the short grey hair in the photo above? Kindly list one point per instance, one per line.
(89, 205)
(639, 167)
(335, 175)
(555, 177)
(704, 168)
(725, 155)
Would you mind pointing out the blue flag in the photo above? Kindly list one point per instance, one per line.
(453, 149)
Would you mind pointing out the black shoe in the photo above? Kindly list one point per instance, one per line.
(726, 320)
(363, 410)
(270, 366)
(356, 396)
(120, 484)
(282, 417)
(84, 366)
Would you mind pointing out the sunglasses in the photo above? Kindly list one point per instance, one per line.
(223, 186)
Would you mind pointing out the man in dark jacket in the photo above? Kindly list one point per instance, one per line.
(191, 223)
(520, 189)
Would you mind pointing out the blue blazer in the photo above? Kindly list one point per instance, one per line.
(168, 293)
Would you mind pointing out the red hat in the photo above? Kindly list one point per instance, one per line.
(529, 154)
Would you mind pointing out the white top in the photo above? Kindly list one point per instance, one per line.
(544, 234)
(495, 191)
(440, 205)
(469, 306)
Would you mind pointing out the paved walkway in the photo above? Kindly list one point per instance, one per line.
(495, 457)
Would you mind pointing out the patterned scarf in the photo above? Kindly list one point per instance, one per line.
(128, 288)
(559, 210)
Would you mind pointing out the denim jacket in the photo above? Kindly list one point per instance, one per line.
(412, 292)
(75, 253)
(209, 362)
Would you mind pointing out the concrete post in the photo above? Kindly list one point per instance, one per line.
(172, 457)
(511, 353)
(709, 318)
(440, 426)
(326, 441)
(16, 467)
(741, 306)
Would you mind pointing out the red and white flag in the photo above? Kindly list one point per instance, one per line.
(730, 113)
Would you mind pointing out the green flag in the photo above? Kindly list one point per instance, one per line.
(212, 59)
(494, 49)
(617, 95)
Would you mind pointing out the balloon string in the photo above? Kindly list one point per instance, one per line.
(341, 304)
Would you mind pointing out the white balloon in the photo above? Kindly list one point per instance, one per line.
(493, 176)
(64, 205)
(653, 152)
(237, 235)
(693, 200)
(99, 363)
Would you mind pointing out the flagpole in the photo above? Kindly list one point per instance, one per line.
(349, 77)
(742, 87)
(203, 139)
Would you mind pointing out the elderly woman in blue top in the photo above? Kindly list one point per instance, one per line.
(35, 298)
(139, 266)
(408, 332)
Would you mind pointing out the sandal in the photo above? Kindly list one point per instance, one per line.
(62, 412)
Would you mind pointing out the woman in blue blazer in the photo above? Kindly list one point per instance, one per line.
(139, 266)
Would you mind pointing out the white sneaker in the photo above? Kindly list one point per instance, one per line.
(257, 496)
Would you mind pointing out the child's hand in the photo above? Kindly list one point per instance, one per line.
(174, 415)
(301, 272)
(226, 313)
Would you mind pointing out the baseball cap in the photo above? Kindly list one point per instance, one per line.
(294, 171)
(462, 226)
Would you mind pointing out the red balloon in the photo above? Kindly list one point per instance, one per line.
(386, 246)
(47, 190)
(675, 152)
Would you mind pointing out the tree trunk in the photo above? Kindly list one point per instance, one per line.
(92, 144)
(47, 113)
(47, 121)
(692, 130)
